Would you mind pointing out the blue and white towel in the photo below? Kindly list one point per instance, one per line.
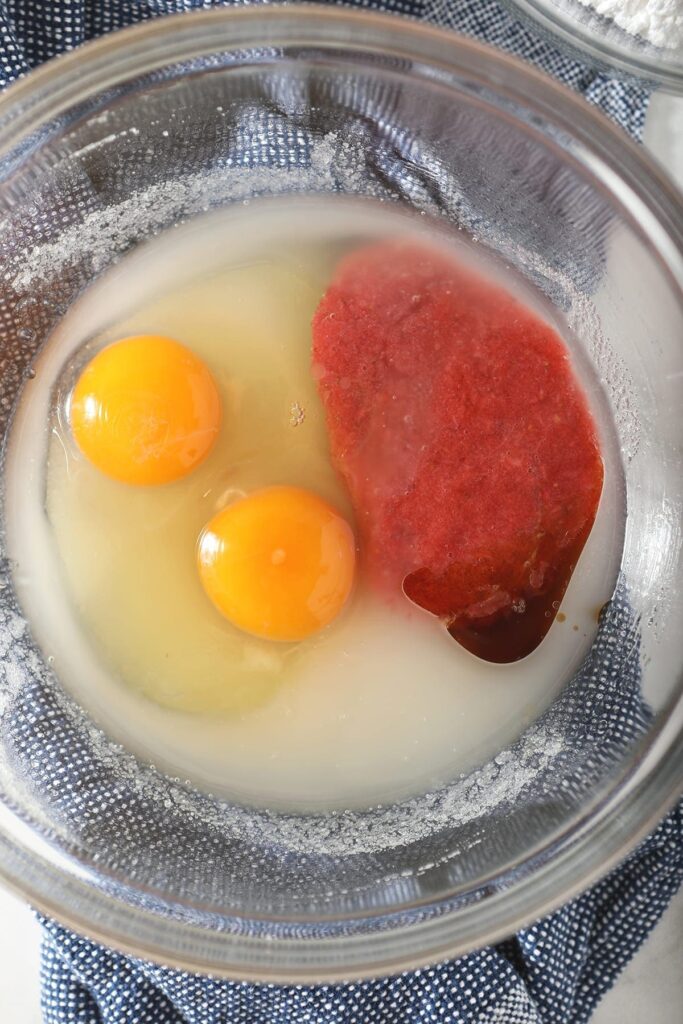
(33, 31)
(553, 972)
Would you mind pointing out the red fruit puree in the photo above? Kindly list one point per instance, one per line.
(464, 438)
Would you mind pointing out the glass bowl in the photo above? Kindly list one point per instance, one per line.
(134, 133)
(579, 30)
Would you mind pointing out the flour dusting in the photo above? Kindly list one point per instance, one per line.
(660, 22)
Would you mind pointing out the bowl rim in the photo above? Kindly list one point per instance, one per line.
(590, 848)
(607, 55)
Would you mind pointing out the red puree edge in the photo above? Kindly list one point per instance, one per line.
(465, 440)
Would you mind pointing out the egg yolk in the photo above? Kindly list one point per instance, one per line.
(145, 410)
(279, 563)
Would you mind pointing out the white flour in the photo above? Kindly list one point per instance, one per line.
(660, 22)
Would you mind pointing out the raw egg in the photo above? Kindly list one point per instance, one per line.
(145, 410)
(376, 706)
(279, 563)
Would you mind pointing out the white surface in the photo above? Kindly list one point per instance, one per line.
(651, 987)
(664, 133)
(19, 962)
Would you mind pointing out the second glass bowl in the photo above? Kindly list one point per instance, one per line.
(590, 37)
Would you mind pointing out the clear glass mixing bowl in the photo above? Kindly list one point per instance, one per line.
(578, 29)
(111, 144)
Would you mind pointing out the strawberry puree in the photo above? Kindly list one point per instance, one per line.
(464, 438)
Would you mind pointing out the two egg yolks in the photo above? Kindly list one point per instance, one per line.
(278, 563)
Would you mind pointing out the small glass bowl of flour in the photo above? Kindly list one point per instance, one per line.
(640, 39)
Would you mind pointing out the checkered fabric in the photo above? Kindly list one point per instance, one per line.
(553, 972)
(32, 31)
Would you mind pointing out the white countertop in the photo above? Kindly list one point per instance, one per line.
(651, 987)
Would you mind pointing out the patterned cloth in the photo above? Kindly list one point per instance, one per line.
(551, 973)
(32, 31)
(554, 972)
